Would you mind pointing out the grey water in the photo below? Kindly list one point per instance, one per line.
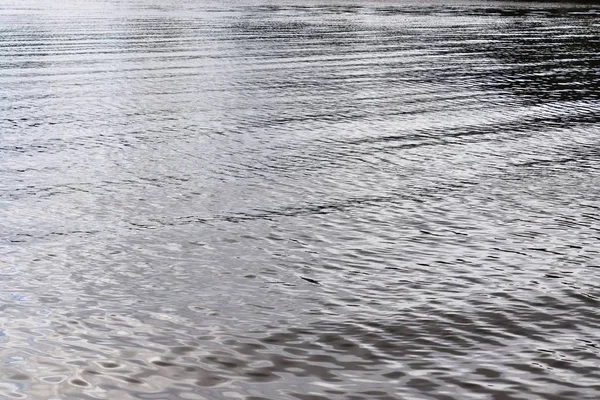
(299, 200)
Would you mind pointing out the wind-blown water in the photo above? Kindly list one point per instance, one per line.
(302, 200)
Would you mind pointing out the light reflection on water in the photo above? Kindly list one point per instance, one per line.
(367, 200)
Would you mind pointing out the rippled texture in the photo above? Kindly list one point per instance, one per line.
(304, 201)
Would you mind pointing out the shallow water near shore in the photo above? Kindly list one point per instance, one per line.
(299, 200)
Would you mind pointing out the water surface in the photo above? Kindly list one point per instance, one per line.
(299, 200)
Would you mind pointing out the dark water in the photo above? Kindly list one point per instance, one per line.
(320, 200)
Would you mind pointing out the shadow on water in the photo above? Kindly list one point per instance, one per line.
(548, 58)
(552, 59)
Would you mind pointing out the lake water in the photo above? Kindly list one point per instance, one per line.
(309, 200)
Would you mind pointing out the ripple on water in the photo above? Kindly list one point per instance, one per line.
(282, 201)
